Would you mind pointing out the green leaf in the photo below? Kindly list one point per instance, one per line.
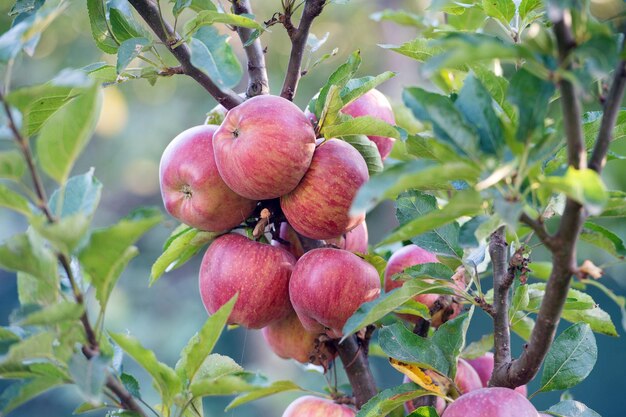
(53, 314)
(388, 400)
(522, 325)
(166, 380)
(400, 343)
(532, 96)
(131, 384)
(603, 238)
(34, 290)
(450, 338)
(463, 203)
(129, 50)
(27, 253)
(478, 348)
(203, 342)
(497, 87)
(34, 369)
(12, 165)
(20, 392)
(338, 78)
(503, 10)
(375, 310)
(213, 55)
(424, 412)
(400, 17)
(363, 125)
(65, 134)
(584, 186)
(426, 147)
(571, 358)
(99, 27)
(368, 151)
(37, 346)
(110, 249)
(448, 124)
(229, 384)
(89, 375)
(571, 408)
(14, 201)
(208, 17)
(527, 7)
(476, 106)
(356, 87)
(80, 195)
(615, 205)
(125, 27)
(25, 6)
(274, 388)
(420, 49)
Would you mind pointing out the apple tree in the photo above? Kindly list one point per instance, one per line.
(498, 160)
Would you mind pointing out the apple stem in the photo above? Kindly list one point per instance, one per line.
(353, 354)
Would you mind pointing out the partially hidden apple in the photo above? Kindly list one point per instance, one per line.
(354, 241)
(192, 188)
(289, 240)
(263, 147)
(258, 272)
(374, 104)
(484, 367)
(290, 340)
(492, 402)
(328, 285)
(319, 206)
(310, 406)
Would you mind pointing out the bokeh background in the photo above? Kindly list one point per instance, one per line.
(138, 121)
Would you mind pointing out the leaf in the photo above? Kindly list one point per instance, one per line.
(532, 96)
(99, 27)
(424, 412)
(166, 380)
(37, 346)
(615, 205)
(363, 125)
(571, 358)
(25, 6)
(53, 314)
(497, 87)
(503, 10)
(213, 55)
(338, 78)
(603, 238)
(450, 338)
(125, 27)
(80, 195)
(12, 165)
(227, 384)
(420, 49)
(520, 299)
(401, 344)
(463, 203)
(131, 384)
(584, 186)
(448, 124)
(208, 17)
(129, 50)
(203, 342)
(14, 201)
(418, 375)
(400, 17)
(478, 348)
(425, 147)
(526, 7)
(27, 253)
(110, 249)
(20, 392)
(571, 408)
(368, 151)
(65, 134)
(388, 400)
(89, 375)
(274, 388)
(357, 87)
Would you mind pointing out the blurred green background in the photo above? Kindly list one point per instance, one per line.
(138, 121)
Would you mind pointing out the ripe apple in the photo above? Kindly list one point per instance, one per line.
(192, 188)
(263, 147)
(328, 285)
(319, 206)
(484, 368)
(374, 104)
(290, 240)
(310, 406)
(492, 402)
(258, 272)
(354, 241)
(289, 339)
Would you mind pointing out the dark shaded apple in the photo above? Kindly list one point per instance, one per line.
(354, 241)
(319, 206)
(257, 271)
(263, 147)
(310, 406)
(328, 285)
(484, 368)
(289, 240)
(492, 402)
(191, 186)
(374, 104)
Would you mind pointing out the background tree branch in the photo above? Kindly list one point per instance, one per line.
(150, 14)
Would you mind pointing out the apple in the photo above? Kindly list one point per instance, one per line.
(374, 104)
(257, 271)
(289, 339)
(192, 188)
(289, 240)
(319, 206)
(310, 406)
(263, 147)
(328, 285)
(484, 367)
(492, 402)
(354, 241)
(604, 10)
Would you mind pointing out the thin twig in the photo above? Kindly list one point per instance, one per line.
(539, 228)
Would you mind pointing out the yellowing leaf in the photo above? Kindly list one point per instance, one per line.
(418, 375)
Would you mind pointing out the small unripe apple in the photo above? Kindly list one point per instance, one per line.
(354, 241)
(192, 188)
(289, 240)
(374, 104)
(328, 285)
(319, 206)
(263, 147)
(309, 406)
(290, 340)
(483, 366)
(492, 402)
(607, 9)
(258, 272)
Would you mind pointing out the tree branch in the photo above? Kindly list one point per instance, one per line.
(539, 228)
(353, 354)
(501, 284)
(312, 9)
(257, 73)
(150, 13)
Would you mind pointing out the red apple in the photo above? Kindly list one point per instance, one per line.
(289, 240)
(289, 339)
(192, 188)
(374, 104)
(484, 367)
(263, 147)
(354, 241)
(310, 406)
(319, 206)
(328, 285)
(258, 272)
(492, 402)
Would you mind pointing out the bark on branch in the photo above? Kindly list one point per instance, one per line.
(353, 354)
